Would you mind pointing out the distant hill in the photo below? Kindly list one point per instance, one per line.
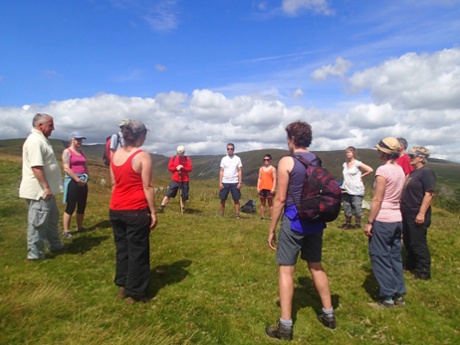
(206, 167)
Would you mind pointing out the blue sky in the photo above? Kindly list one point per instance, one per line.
(202, 73)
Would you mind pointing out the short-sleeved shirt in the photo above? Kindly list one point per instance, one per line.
(352, 182)
(417, 184)
(404, 162)
(230, 166)
(116, 141)
(394, 177)
(38, 152)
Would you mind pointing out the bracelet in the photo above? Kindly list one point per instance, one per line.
(369, 222)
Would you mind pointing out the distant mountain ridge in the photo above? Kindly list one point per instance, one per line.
(206, 167)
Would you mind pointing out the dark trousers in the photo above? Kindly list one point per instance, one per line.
(76, 195)
(415, 243)
(385, 254)
(131, 231)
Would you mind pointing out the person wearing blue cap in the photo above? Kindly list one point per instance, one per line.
(75, 183)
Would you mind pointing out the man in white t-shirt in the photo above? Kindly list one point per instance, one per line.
(41, 181)
(230, 179)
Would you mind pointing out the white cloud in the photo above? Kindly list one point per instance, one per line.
(294, 7)
(415, 81)
(371, 116)
(339, 69)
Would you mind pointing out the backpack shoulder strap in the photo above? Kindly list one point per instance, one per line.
(306, 162)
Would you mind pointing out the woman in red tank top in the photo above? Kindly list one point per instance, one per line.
(132, 213)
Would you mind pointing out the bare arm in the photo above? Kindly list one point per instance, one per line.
(240, 177)
(285, 166)
(259, 180)
(274, 179)
(426, 203)
(366, 169)
(39, 174)
(145, 162)
(380, 184)
(221, 176)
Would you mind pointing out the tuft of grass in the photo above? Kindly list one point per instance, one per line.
(214, 280)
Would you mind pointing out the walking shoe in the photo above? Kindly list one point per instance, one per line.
(383, 303)
(161, 208)
(121, 292)
(237, 216)
(66, 234)
(346, 226)
(278, 331)
(327, 321)
(357, 226)
(399, 301)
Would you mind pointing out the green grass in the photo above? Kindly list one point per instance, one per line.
(214, 281)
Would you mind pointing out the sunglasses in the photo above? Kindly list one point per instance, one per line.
(230, 149)
(266, 159)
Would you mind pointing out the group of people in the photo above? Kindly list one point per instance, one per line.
(401, 205)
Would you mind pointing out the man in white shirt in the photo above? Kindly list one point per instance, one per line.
(41, 181)
(230, 179)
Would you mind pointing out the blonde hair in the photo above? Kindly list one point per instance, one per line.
(420, 151)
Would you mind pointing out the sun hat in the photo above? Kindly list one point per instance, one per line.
(180, 149)
(76, 135)
(124, 122)
(418, 151)
(389, 145)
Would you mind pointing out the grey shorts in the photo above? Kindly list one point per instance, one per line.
(290, 243)
(352, 203)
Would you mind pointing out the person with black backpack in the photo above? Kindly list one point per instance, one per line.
(298, 234)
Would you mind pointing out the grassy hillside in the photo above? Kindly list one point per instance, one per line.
(214, 280)
(206, 167)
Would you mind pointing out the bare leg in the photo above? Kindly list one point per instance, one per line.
(80, 218)
(165, 201)
(270, 205)
(66, 221)
(237, 206)
(262, 208)
(286, 290)
(321, 283)
(222, 207)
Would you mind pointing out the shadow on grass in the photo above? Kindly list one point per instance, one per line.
(101, 225)
(371, 286)
(81, 245)
(163, 275)
(306, 295)
(192, 211)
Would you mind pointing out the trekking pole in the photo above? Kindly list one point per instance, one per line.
(180, 193)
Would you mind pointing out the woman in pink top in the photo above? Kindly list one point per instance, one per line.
(384, 226)
(132, 213)
(75, 183)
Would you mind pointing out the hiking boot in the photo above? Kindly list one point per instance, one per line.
(278, 331)
(383, 303)
(399, 301)
(346, 226)
(66, 234)
(327, 321)
(357, 226)
(237, 216)
(161, 208)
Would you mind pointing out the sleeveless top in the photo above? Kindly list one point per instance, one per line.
(266, 181)
(77, 162)
(128, 193)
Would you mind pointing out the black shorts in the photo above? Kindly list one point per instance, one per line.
(266, 194)
(174, 187)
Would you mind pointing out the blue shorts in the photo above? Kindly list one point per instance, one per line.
(230, 187)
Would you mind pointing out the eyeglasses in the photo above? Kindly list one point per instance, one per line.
(267, 159)
(228, 149)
